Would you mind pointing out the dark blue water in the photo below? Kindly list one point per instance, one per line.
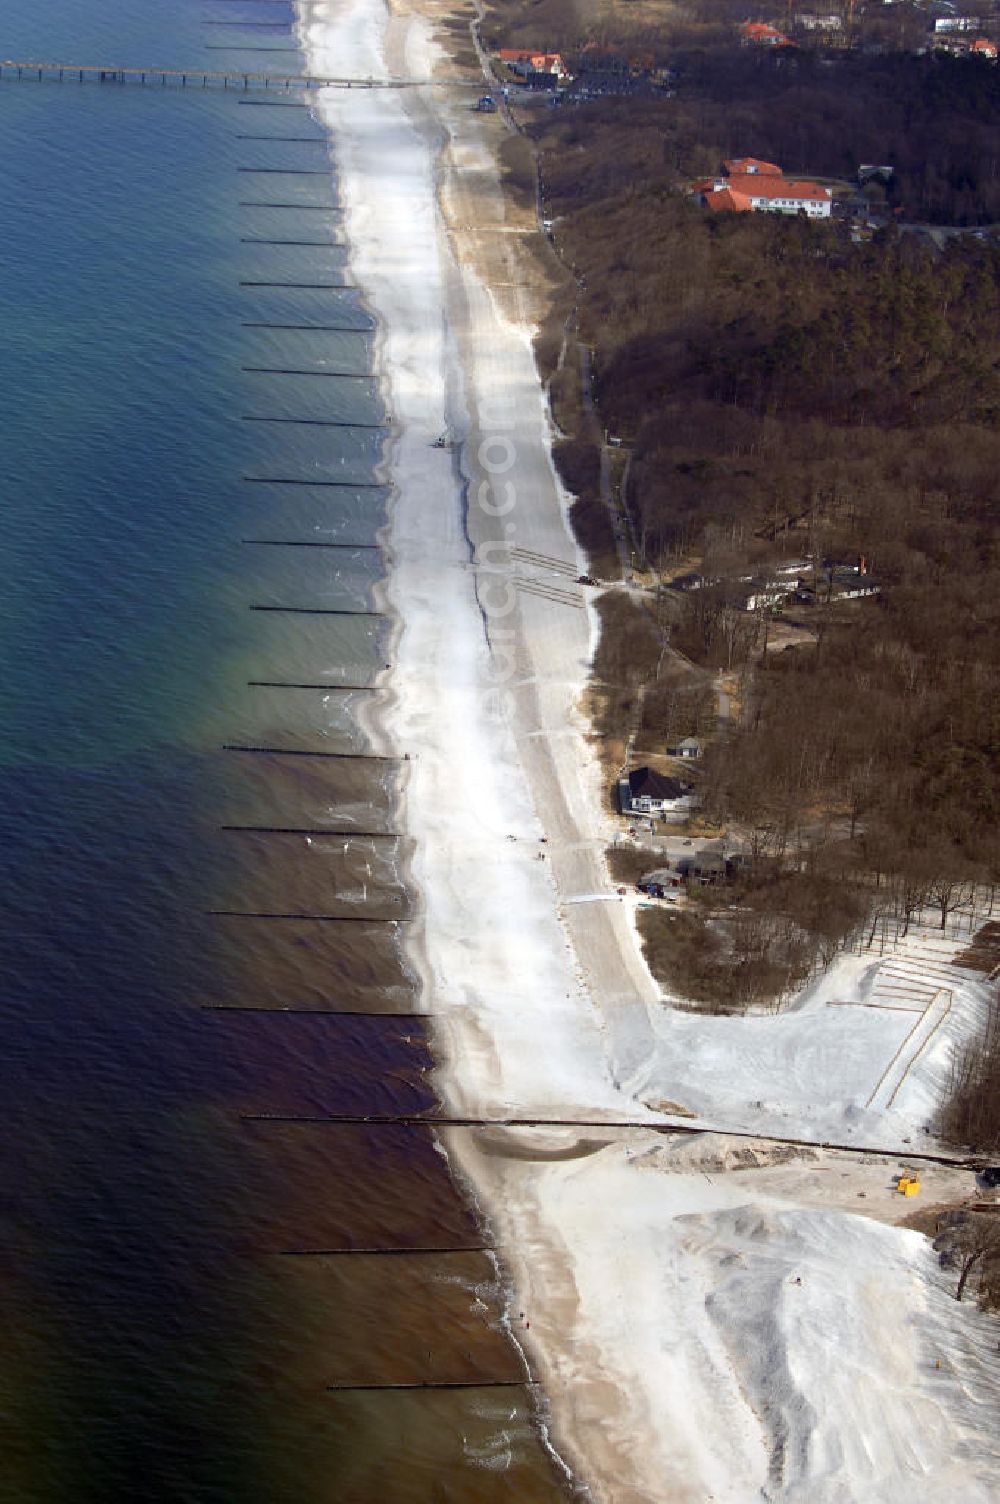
(167, 33)
(174, 870)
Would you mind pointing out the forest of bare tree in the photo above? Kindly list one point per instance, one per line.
(788, 394)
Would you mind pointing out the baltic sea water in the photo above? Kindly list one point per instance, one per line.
(177, 852)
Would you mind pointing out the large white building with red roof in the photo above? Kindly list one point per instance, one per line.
(748, 184)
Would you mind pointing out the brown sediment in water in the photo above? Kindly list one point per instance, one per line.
(308, 793)
(310, 1193)
(310, 964)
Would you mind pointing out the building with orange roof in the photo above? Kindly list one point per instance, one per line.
(983, 48)
(525, 60)
(739, 166)
(768, 192)
(759, 34)
(721, 199)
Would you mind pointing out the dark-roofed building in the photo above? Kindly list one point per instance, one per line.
(643, 792)
(659, 882)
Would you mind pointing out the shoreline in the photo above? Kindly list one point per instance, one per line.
(380, 724)
(458, 1035)
(626, 1290)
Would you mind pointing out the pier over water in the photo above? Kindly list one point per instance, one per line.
(149, 77)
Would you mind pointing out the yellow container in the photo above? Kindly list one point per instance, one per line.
(908, 1185)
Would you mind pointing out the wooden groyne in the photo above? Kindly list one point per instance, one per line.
(426, 1384)
(202, 78)
(666, 1128)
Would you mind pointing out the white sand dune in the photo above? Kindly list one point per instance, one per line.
(681, 1355)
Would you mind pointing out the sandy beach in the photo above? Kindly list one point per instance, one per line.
(703, 1327)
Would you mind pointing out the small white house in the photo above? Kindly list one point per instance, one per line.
(829, 22)
(690, 748)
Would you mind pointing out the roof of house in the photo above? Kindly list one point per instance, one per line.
(759, 31)
(983, 47)
(530, 55)
(752, 165)
(644, 782)
(706, 861)
(698, 864)
(762, 186)
(739, 192)
(728, 198)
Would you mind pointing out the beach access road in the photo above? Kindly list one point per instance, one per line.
(541, 624)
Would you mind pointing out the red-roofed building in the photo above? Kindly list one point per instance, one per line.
(719, 199)
(751, 166)
(758, 34)
(768, 192)
(524, 60)
(982, 48)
